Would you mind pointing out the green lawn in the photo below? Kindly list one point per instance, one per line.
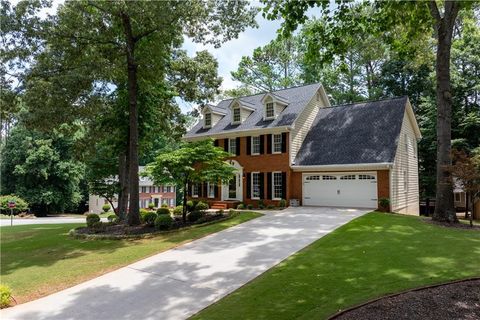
(37, 260)
(367, 258)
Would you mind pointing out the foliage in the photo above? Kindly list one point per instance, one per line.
(195, 215)
(20, 204)
(151, 205)
(163, 222)
(5, 296)
(193, 162)
(149, 218)
(282, 203)
(190, 205)
(92, 219)
(384, 203)
(163, 211)
(178, 210)
(41, 169)
(144, 211)
(270, 207)
(112, 218)
(106, 207)
(201, 206)
(164, 205)
(249, 206)
(241, 206)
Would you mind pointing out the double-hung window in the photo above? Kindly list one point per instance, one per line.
(195, 190)
(169, 189)
(236, 115)
(269, 110)
(255, 185)
(211, 190)
(232, 146)
(208, 119)
(255, 145)
(144, 189)
(277, 185)
(277, 143)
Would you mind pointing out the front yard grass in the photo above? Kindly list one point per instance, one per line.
(37, 260)
(367, 258)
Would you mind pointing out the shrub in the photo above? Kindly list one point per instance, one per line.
(261, 204)
(163, 222)
(151, 205)
(384, 204)
(143, 211)
(163, 211)
(106, 207)
(164, 205)
(178, 211)
(220, 212)
(20, 204)
(5, 296)
(97, 225)
(231, 211)
(282, 203)
(250, 207)
(149, 218)
(241, 206)
(190, 205)
(112, 218)
(201, 206)
(270, 206)
(195, 215)
(92, 219)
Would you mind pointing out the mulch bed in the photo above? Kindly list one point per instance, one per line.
(459, 225)
(458, 300)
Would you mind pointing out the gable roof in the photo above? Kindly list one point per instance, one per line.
(214, 109)
(298, 98)
(354, 134)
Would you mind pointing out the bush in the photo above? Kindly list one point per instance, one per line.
(151, 205)
(241, 206)
(149, 218)
(201, 206)
(164, 205)
(92, 219)
(231, 211)
(5, 296)
(221, 212)
(270, 206)
(97, 225)
(143, 211)
(195, 215)
(163, 222)
(190, 205)
(282, 203)
(163, 211)
(261, 204)
(178, 211)
(112, 218)
(106, 207)
(20, 204)
(250, 207)
(384, 204)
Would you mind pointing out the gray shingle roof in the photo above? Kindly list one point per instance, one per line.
(298, 98)
(353, 134)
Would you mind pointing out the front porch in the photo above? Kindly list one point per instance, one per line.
(222, 205)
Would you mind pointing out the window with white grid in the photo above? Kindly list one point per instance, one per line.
(255, 145)
(208, 119)
(236, 115)
(232, 146)
(211, 190)
(269, 110)
(255, 185)
(277, 143)
(348, 177)
(195, 190)
(277, 185)
(366, 177)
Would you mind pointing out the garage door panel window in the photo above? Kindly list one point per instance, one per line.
(309, 178)
(366, 177)
(277, 185)
(329, 178)
(348, 177)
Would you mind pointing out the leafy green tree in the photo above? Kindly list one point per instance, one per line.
(193, 162)
(20, 204)
(403, 24)
(41, 169)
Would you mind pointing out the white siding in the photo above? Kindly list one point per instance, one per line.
(404, 174)
(244, 113)
(303, 124)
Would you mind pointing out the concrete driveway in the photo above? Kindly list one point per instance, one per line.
(180, 282)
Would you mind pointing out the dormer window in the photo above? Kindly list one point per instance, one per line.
(208, 119)
(236, 115)
(269, 111)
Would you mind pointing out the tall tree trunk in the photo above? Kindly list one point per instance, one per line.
(444, 205)
(185, 193)
(124, 189)
(133, 216)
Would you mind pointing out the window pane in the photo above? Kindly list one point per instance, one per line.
(269, 111)
(255, 145)
(208, 119)
(233, 146)
(277, 185)
(277, 143)
(255, 185)
(236, 115)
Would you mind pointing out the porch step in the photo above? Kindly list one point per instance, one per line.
(218, 205)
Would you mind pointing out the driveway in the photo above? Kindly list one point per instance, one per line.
(43, 220)
(180, 282)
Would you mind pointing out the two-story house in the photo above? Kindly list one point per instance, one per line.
(292, 144)
(148, 193)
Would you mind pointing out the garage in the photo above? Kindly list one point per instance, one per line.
(344, 189)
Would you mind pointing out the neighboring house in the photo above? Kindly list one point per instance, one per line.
(460, 199)
(149, 193)
(291, 144)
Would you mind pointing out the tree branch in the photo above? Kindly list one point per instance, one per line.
(434, 11)
(144, 34)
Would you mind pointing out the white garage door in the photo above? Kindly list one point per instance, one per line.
(357, 190)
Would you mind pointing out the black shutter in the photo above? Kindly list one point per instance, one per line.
(215, 143)
(262, 144)
(269, 143)
(249, 145)
(225, 145)
(269, 185)
(205, 191)
(238, 146)
(262, 185)
(189, 189)
(249, 185)
(217, 189)
(284, 142)
(284, 185)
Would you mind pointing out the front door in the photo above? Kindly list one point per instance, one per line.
(232, 188)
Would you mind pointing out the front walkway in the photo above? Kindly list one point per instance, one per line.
(180, 282)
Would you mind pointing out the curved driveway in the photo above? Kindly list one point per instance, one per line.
(180, 282)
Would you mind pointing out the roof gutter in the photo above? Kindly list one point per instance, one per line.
(340, 167)
(236, 133)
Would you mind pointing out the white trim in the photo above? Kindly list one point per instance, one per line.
(413, 120)
(237, 133)
(251, 185)
(273, 184)
(340, 167)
